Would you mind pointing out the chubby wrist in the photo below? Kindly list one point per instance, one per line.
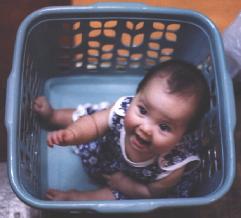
(71, 132)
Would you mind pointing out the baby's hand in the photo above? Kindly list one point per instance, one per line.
(43, 108)
(60, 137)
(115, 180)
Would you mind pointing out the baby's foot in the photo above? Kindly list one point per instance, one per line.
(42, 107)
(53, 194)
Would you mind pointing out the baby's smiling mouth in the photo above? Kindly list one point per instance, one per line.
(142, 141)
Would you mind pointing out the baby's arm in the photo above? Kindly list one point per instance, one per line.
(85, 129)
(134, 189)
(50, 117)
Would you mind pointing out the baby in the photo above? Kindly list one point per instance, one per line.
(135, 147)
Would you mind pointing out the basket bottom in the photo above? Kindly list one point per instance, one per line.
(65, 170)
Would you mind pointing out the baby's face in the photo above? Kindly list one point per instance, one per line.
(156, 120)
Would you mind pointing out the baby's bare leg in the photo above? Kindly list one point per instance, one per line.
(53, 118)
(75, 195)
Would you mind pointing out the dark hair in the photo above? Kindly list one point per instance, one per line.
(185, 79)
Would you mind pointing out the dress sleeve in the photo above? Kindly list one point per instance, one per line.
(118, 112)
(84, 109)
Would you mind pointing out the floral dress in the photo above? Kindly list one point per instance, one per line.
(107, 155)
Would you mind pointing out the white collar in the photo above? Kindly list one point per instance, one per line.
(123, 150)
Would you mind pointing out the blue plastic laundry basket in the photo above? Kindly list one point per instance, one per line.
(89, 54)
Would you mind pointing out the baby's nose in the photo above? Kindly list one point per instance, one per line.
(146, 129)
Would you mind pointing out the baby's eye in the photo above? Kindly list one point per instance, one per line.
(165, 127)
(142, 110)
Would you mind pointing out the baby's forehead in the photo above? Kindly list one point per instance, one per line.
(158, 90)
(161, 74)
(161, 78)
(168, 85)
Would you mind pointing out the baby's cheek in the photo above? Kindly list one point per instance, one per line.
(163, 149)
(165, 144)
(129, 122)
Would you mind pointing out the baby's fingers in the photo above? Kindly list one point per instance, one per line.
(50, 139)
(54, 138)
(60, 137)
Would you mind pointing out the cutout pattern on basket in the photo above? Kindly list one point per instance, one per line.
(116, 44)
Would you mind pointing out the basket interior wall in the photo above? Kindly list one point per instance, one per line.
(126, 44)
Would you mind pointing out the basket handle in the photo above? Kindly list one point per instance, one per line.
(127, 5)
(10, 96)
